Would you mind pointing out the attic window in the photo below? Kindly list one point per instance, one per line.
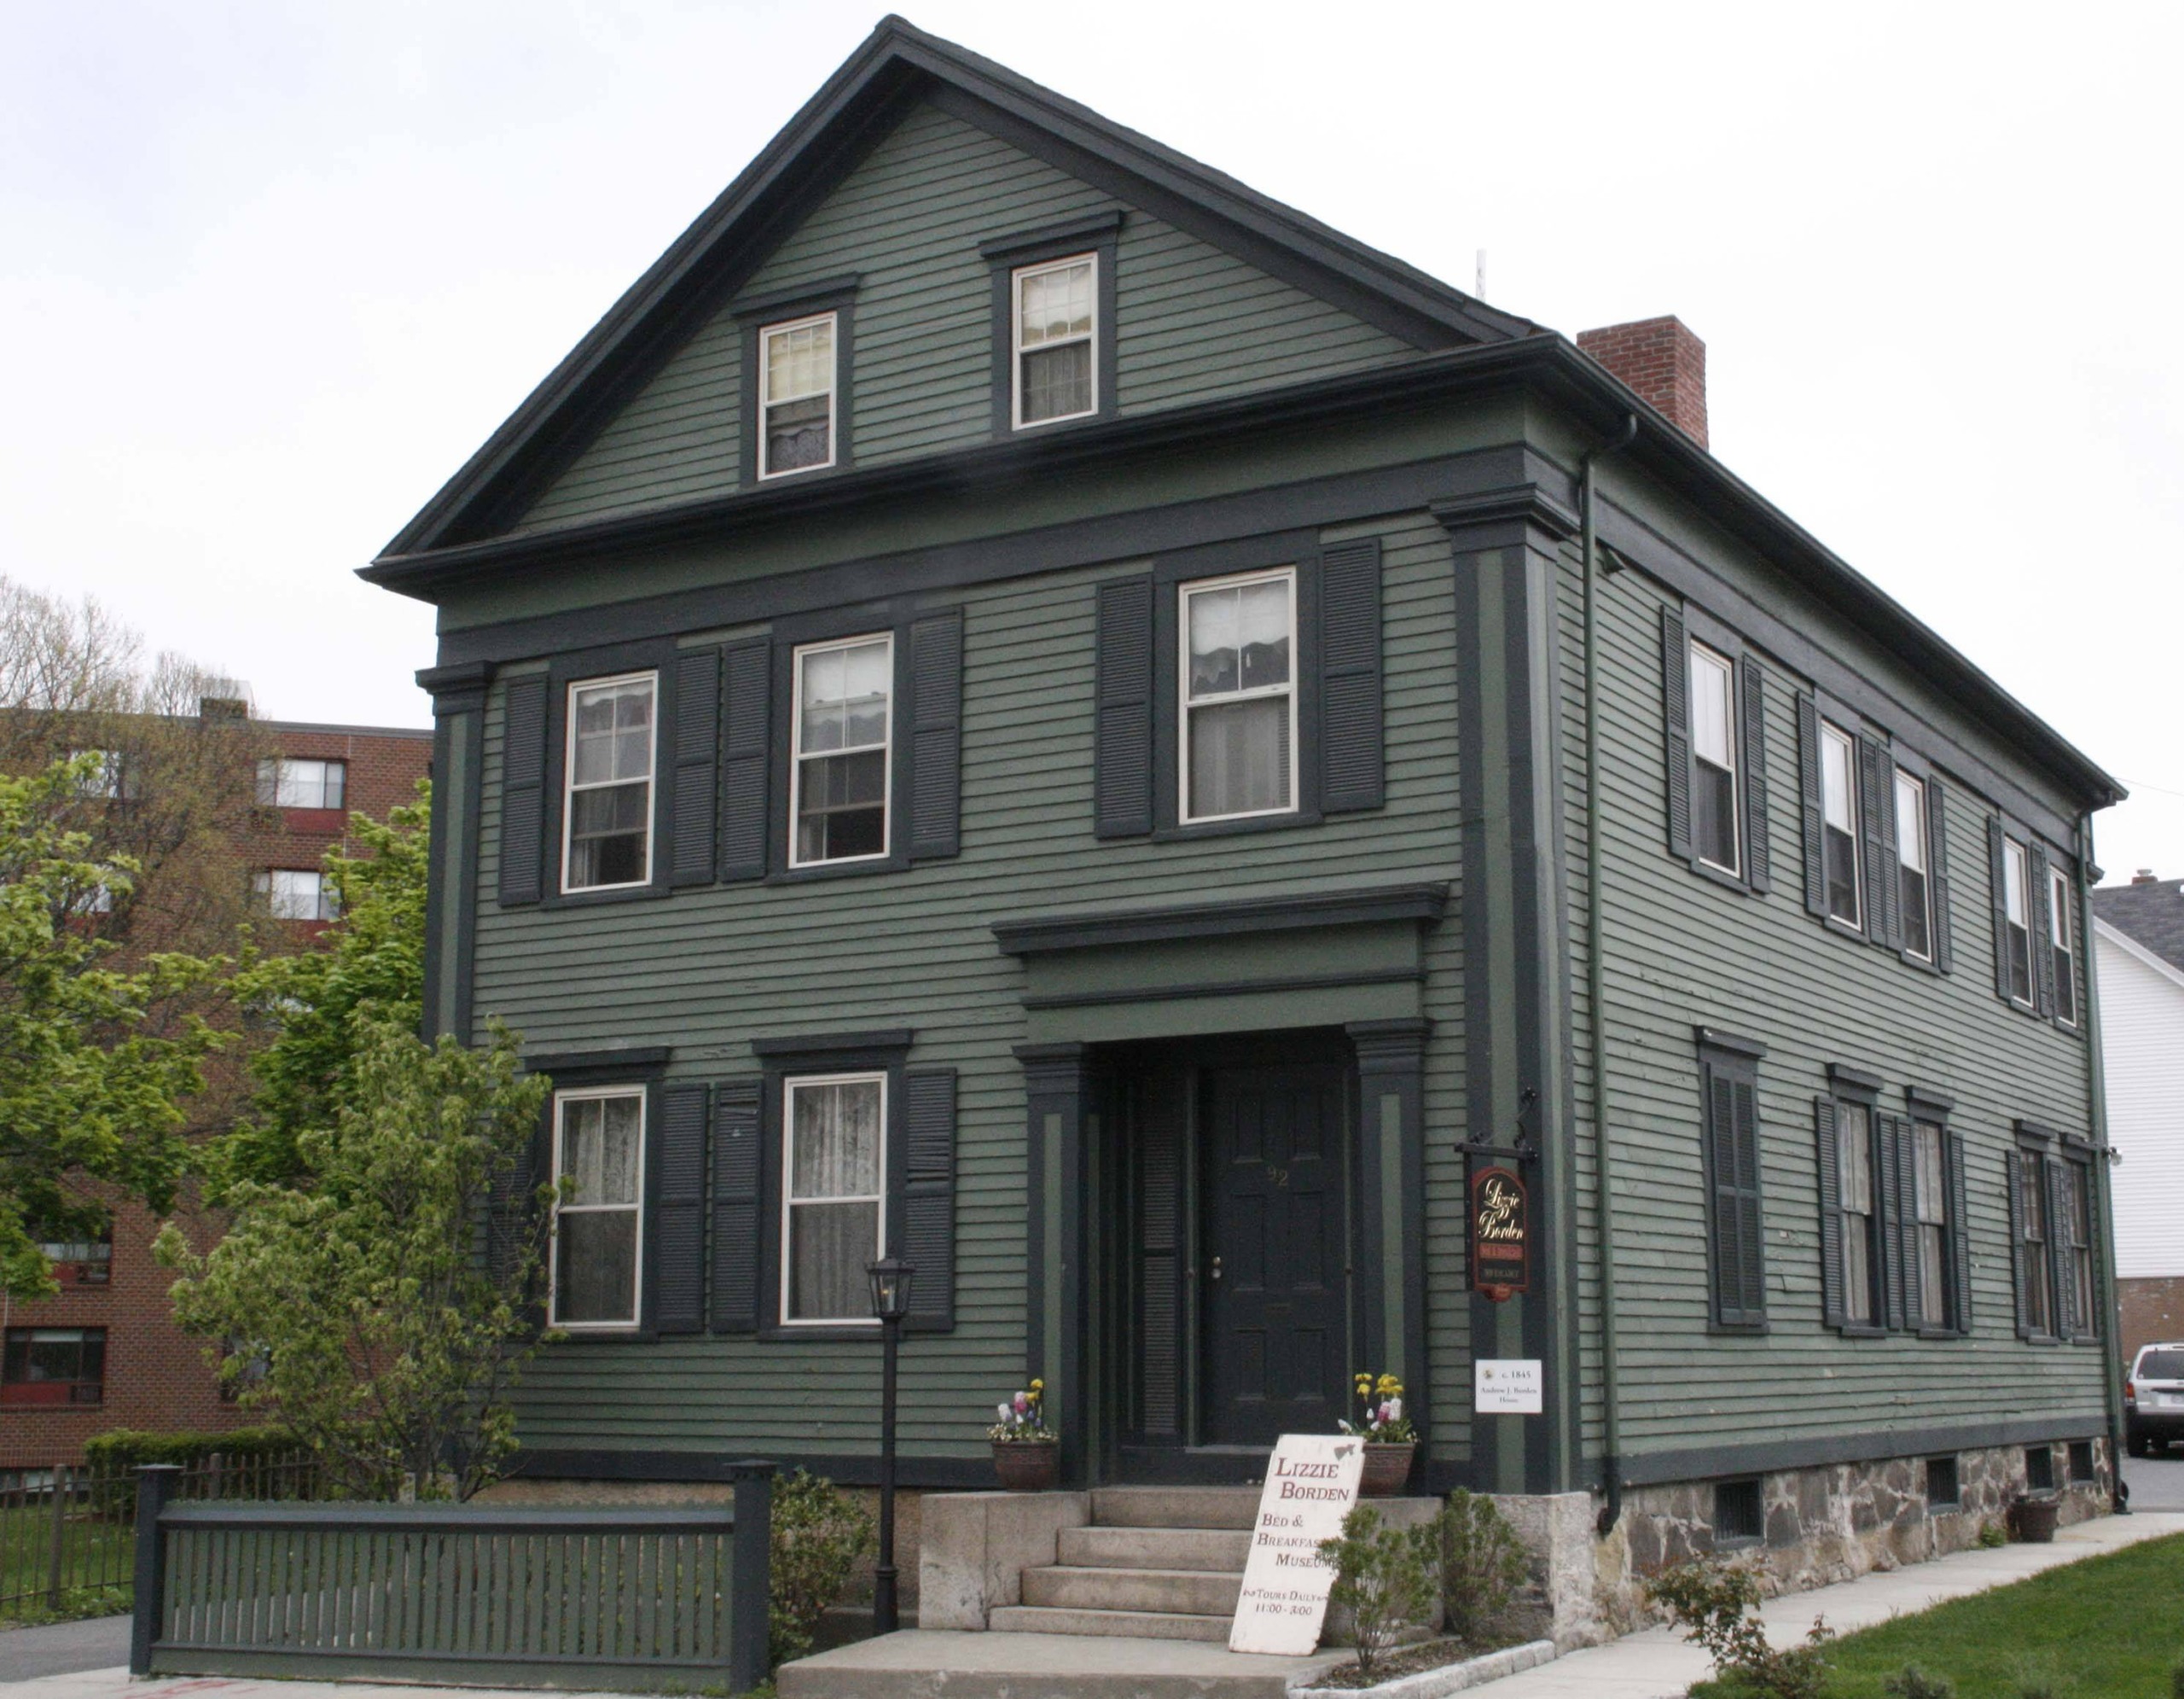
(1056, 323)
(796, 426)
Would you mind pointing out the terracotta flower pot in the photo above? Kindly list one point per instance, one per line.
(2036, 1520)
(1026, 1465)
(1386, 1469)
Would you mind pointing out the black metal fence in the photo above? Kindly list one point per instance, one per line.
(67, 1532)
(511, 1595)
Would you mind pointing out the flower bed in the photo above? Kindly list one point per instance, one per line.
(1428, 1671)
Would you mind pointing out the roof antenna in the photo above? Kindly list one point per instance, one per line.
(1478, 284)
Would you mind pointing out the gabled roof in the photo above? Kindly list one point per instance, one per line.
(2150, 915)
(898, 64)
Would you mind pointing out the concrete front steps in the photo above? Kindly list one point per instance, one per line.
(1155, 1564)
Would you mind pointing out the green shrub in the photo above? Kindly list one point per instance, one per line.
(1916, 1683)
(1993, 1536)
(818, 1537)
(123, 1449)
(1709, 1602)
(1384, 1577)
(1483, 1563)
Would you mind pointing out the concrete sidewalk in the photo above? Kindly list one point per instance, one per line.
(1654, 1665)
(1658, 1664)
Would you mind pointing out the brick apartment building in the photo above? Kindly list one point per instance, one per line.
(105, 1353)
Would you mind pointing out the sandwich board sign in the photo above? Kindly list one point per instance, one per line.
(1311, 1485)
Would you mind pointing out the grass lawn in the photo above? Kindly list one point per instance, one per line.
(96, 1557)
(2110, 1627)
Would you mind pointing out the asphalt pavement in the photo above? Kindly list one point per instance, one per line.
(2156, 1483)
(63, 1647)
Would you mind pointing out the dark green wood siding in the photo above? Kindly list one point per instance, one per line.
(707, 970)
(1194, 324)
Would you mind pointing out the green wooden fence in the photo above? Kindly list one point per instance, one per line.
(484, 1594)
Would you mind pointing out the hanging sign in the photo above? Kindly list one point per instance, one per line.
(1311, 1485)
(1500, 1233)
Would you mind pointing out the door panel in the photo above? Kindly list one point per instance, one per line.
(1272, 1260)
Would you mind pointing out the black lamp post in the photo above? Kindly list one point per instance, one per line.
(890, 1302)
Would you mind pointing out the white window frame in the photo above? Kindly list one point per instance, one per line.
(277, 767)
(592, 1093)
(1908, 831)
(1695, 650)
(1830, 731)
(1929, 1212)
(2062, 935)
(263, 883)
(796, 751)
(569, 786)
(1184, 592)
(1016, 349)
(790, 1086)
(2016, 876)
(766, 402)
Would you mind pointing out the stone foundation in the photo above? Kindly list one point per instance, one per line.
(1827, 1524)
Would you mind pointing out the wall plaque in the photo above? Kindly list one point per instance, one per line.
(1500, 1233)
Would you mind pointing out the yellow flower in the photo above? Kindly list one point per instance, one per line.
(1039, 1386)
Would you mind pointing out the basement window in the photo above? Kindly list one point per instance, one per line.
(2082, 1469)
(1943, 1492)
(1740, 1513)
(2039, 1469)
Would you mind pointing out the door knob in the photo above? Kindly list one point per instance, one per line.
(1217, 1268)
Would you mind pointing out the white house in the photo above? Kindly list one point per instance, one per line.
(2138, 954)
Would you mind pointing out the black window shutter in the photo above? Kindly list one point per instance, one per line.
(1831, 1212)
(678, 1223)
(1877, 836)
(746, 699)
(1814, 818)
(1937, 873)
(1759, 859)
(1960, 1238)
(513, 1215)
(1122, 758)
(697, 760)
(2019, 1273)
(523, 790)
(1735, 1223)
(1676, 703)
(1906, 1215)
(1352, 761)
(936, 735)
(1888, 1182)
(2060, 1279)
(928, 1195)
(2039, 930)
(737, 1168)
(1998, 881)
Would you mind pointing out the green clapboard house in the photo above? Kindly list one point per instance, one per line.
(1017, 702)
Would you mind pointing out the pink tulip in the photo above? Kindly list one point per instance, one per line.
(1023, 1405)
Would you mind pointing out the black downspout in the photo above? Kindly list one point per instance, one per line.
(1596, 976)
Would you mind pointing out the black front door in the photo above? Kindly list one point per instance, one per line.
(1272, 1258)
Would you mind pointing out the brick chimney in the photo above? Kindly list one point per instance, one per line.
(1663, 362)
(2145, 876)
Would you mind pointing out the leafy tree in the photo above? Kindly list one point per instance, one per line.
(95, 1063)
(321, 1004)
(381, 1301)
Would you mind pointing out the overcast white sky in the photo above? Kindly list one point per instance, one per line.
(271, 271)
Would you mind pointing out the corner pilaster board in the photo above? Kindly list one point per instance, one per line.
(1043, 934)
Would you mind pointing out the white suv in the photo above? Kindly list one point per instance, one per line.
(2153, 1399)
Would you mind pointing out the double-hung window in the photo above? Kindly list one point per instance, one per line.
(2074, 1241)
(840, 766)
(1713, 748)
(1054, 331)
(2035, 1274)
(796, 395)
(287, 782)
(833, 1214)
(2016, 921)
(1862, 1225)
(1914, 886)
(1838, 791)
(293, 893)
(1931, 1224)
(2062, 943)
(599, 1161)
(606, 831)
(1238, 719)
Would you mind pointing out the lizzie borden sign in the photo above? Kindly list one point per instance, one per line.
(1311, 1485)
(1500, 1233)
